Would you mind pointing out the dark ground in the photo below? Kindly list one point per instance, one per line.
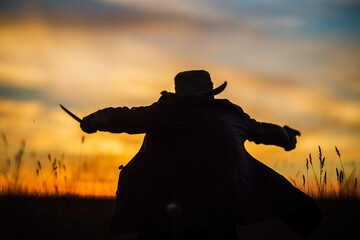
(89, 218)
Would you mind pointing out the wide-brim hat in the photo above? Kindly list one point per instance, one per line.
(196, 82)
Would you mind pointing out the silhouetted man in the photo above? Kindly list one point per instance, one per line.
(193, 178)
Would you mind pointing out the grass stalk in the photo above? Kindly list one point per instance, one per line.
(343, 172)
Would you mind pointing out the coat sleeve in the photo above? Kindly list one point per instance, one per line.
(133, 120)
(265, 133)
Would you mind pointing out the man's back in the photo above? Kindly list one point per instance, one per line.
(188, 162)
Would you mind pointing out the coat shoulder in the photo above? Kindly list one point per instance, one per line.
(232, 106)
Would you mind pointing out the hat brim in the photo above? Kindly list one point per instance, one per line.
(215, 91)
(219, 89)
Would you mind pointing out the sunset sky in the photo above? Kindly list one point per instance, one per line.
(293, 63)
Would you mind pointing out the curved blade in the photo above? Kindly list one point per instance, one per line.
(70, 113)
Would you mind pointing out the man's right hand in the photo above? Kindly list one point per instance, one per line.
(88, 123)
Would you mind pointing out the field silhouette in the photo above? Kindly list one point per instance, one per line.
(28, 217)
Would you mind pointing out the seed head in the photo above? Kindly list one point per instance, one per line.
(322, 161)
(3, 136)
(303, 180)
(341, 176)
(39, 164)
(337, 151)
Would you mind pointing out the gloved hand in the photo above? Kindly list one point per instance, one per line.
(291, 135)
(88, 123)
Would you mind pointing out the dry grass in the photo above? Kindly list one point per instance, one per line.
(50, 176)
(347, 186)
(11, 170)
(53, 176)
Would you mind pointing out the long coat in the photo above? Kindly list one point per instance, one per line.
(193, 157)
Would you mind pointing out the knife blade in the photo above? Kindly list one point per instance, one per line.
(71, 114)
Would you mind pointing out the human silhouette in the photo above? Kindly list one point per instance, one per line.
(192, 177)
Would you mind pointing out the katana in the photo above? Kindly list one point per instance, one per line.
(71, 114)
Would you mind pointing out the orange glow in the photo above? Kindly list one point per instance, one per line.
(128, 58)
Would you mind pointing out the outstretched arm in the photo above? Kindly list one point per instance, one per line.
(129, 120)
(272, 134)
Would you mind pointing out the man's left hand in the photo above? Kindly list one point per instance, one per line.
(88, 123)
(291, 133)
